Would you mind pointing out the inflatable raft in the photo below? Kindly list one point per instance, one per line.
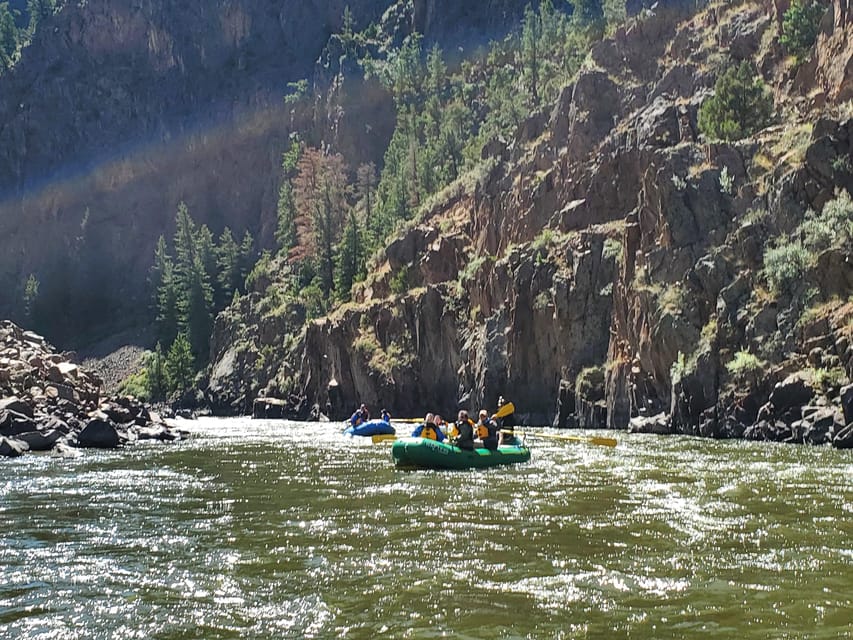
(370, 428)
(429, 454)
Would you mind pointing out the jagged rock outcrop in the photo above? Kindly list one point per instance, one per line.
(631, 305)
(47, 402)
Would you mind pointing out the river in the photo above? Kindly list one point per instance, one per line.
(256, 529)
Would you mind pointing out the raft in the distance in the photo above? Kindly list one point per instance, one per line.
(430, 454)
(370, 428)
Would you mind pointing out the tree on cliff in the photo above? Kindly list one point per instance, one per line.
(9, 37)
(350, 259)
(39, 10)
(800, 26)
(285, 233)
(179, 365)
(740, 106)
(320, 197)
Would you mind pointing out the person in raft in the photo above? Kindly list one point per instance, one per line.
(386, 417)
(487, 431)
(506, 433)
(361, 416)
(428, 429)
(463, 431)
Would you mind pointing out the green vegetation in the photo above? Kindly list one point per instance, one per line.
(13, 39)
(829, 380)
(197, 283)
(800, 26)
(786, 263)
(590, 383)
(31, 292)
(741, 105)
(745, 367)
(10, 37)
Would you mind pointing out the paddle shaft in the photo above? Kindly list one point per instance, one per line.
(604, 442)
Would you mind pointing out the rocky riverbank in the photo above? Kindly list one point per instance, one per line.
(48, 403)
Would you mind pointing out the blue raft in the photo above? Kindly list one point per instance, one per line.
(370, 428)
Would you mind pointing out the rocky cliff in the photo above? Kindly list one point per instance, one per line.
(608, 266)
(120, 110)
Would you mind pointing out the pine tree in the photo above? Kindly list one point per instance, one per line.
(179, 365)
(195, 303)
(228, 263)
(9, 36)
(165, 286)
(285, 235)
(531, 34)
(740, 106)
(156, 383)
(349, 259)
(320, 192)
(39, 10)
(246, 260)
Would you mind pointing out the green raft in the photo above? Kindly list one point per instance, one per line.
(423, 453)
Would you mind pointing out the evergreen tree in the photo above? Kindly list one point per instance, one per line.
(179, 365)
(285, 235)
(246, 260)
(39, 10)
(800, 27)
(166, 294)
(349, 259)
(741, 105)
(320, 191)
(588, 12)
(9, 36)
(531, 53)
(228, 261)
(365, 189)
(156, 383)
(195, 303)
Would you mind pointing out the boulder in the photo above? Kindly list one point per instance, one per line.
(12, 448)
(100, 434)
(793, 391)
(844, 438)
(658, 424)
(39, 441)
(847, 403)
(17, 405)
(13, 423)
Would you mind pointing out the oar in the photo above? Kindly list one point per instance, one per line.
(604, 442)
(505, 410)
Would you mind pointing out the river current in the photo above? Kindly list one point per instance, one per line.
(262, 529)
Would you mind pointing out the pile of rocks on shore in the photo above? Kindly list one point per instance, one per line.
(49, 403)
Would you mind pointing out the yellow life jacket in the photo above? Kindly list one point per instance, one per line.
(482, 431)
(429, 432)
(452, 430)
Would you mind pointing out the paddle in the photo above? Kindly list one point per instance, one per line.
(505, 410)
(604, 442)
(383, 437)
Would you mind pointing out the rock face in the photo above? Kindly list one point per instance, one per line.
(120, 110)
(606, 267)
(47, 402)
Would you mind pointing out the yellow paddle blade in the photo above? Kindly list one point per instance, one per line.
(383, 437)
(505, 410)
